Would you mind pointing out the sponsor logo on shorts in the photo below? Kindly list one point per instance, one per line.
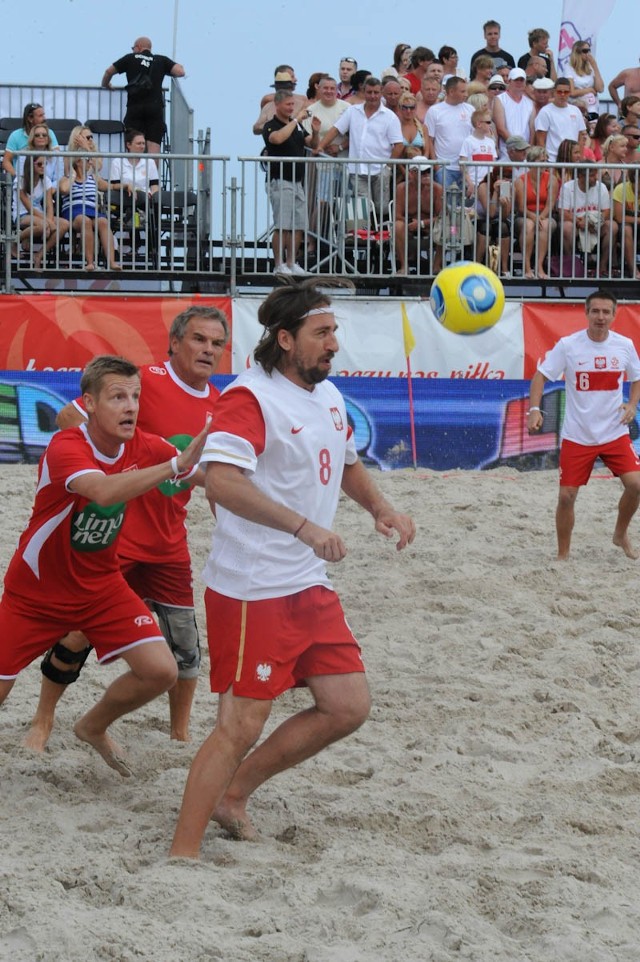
(263, 672)
(337, 419)
(143, 620)
(96, 528)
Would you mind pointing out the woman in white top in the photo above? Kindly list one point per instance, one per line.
(583, 73)
(33, 208)
(134, 172)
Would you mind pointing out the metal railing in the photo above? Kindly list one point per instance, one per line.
(386, 225)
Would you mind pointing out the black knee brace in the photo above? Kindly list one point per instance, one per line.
(67, 657)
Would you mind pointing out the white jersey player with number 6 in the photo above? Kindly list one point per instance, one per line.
(278, 455)
(596, 421)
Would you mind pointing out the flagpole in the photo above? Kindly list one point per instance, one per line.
(409, 344)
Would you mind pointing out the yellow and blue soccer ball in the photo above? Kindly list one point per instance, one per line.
(467, 298)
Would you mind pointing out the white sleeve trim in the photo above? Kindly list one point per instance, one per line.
(230, 449)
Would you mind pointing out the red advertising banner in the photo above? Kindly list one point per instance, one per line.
(53, 332)
(543, 324)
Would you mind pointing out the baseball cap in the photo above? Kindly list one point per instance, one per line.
(517, 73)
(497, 80)
(543, 83)
(516, 143)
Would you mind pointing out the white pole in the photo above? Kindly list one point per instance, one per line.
(175, 28)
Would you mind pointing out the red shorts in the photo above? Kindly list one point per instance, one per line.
(113, 625)
(262, 648)
(169, 584)
(577, 460)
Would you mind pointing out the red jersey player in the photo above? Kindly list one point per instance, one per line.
(65, 572)
(176, 397)
(596, 421)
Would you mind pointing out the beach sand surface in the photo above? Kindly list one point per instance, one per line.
(489, 810)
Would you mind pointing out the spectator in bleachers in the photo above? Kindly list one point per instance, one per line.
(346, 70)
(568, 157)
(413, 133)
(513, 111)
(480, 147)
(629, 79)
(401, 62)
(284, 79)
(558, 120)
(630, 110)
(284, 136)
(448, 123)
(535, 197)
(374, 136)
(391, 93)
(32, 114)
(33, 209)
(482, 70)
(535, 69)
(435, 71)
(541, 94)
(430, 93)
(135, 173)
(585, 210)
(358, 82)
(80, 207)
(80, 138)
(538, 40)
(585, 78)
(605, 126)
(40, 139)
(417, 203)
(626, 213)
(312, 87)
(615, 150)
(492, 47)
(421, 57)
(494, 207)
(448, 57)
(632, 134)
(145, 101)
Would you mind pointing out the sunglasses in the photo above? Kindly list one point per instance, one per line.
(496, 87)
(348, 60)
(586, 50)
(31, 107)
(633, 136)
(407, 106)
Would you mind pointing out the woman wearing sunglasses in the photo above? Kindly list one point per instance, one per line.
(586, 81)
(33, 210)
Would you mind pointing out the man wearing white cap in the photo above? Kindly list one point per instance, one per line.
(559, 120)
(541, 91)
(513, 111)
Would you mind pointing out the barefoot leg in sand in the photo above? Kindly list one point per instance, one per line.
(61, 662)
(152, 671)
(627, 507)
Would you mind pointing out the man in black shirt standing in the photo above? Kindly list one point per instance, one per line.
(145, 104)
(285, 136)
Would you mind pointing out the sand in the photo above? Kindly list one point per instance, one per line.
(489, 810)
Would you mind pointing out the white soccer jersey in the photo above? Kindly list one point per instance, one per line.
(294, 444)
(593, 372)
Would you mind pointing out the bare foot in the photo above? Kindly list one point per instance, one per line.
(624, 543)
(529, 275)
(38, 735)
(543, 274)
(106, 747)
(232, 817)
(180, 736)
(90, 266)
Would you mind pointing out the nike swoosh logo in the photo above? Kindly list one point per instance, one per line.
(296, 430)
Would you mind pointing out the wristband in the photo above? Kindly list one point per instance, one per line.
(534, 409)
(174, 466)
(299, 528)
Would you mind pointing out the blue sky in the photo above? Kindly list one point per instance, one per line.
(229, 49)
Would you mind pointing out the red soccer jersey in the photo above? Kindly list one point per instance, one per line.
(155, 524)
(67, 553)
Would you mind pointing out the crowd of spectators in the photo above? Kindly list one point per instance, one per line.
(516, 138)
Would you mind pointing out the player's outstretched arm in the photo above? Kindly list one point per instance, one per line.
(358, 485)
(108, 489)
(226, 485)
